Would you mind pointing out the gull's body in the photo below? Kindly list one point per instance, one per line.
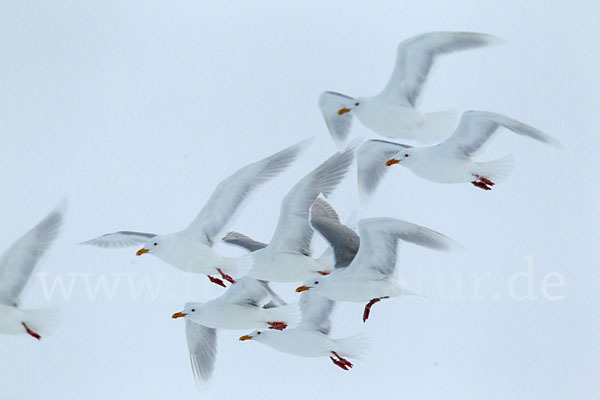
(247, 304)
(191, 249)
(393, 112)
(16, 267)
(371, 274)
(450, 161)
(311, 337)
(287, 258)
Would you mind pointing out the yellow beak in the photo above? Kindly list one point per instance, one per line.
(142, 251)
(245, 337)
(178, 315)
(391, 162)
(343, 111)
(302, 288)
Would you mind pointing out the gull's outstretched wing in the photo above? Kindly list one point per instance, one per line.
(243, 241)
(316, 312)
(338, 122)
(379, 241)
(246, 290)
(477, 127)
(343, 240)
(120, 239)
(230, 194)
(202, 346)
(415, 57)
(294, 233)
(19, 261)
(371, 159)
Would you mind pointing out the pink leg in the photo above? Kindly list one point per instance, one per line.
(277, 325)
(367, 311)
(225, 276)
(342, 360)
(30, 332)
(216, 281)
(482, 182)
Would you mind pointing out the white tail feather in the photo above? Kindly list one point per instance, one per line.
(352, 346)
(497, 170)
(237, 266)
(43, 320)
(290, 314)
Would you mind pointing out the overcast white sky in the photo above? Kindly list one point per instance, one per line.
(136, 110)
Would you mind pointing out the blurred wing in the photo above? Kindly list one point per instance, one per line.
(243, 241)
(339, 125)
(202, 346)
(293, 233)
(230, 194)
(246, 291)
(371, 159)
(316, 312)
(343, 240)
(120, 239)
(415, 57)
(477, 127)
(379, 241)
(19, 261)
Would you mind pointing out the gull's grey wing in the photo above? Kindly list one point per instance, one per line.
(477, 127)
(246, 242)
(202, 346)
(371, 159)
(379, 241)
(338, 124)
(415, 57)
(243, 241)
(343, 240)
(120, 239)
(316, 312)
(247, 291)
(230, 194)
(294, 233)
(19, 261)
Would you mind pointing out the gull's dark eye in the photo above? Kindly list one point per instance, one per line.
(193, 310)
(156, 244)
(356, 104)
(258, 333)
(316, 282)
(406, 155)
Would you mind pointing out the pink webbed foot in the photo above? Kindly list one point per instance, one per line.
(30, 332)
(277, 325)
(367, 311)
(340, 361)
(216, 281)
(482, 182)
(225, 276)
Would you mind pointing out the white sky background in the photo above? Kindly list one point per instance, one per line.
(136, 111)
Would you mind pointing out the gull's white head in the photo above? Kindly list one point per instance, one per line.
(158, 246)
(258, 335)
(405, 157)
(315, 285)
(189, 311)
(349, 104)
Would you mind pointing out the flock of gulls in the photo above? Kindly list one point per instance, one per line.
(356, 267)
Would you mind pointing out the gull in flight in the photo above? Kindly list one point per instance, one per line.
(370, 276)
(16, 267)
(393, 112)
(287, 258)
(247, 304)
(449, 161)
(311, 337)
(191, 249)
